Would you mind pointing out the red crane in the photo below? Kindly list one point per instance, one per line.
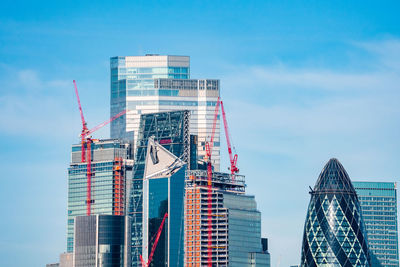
(233, 168)
(232, 159)
(209, 146)
(86, 155)
(153, 249)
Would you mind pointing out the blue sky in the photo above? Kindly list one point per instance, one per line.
(301, 81)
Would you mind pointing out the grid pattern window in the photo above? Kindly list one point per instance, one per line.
(379, 208)
(334, 233)
(100, 241)
(127, 80)
(171, 130)
(110, 165)
(244, 228)
(85, 241)
(154, 83)
(236, 222)
(102, 193)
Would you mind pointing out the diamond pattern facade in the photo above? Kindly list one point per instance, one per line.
(334, 232)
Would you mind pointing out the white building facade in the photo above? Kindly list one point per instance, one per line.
(154, 83)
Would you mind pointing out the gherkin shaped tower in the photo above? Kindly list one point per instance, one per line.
(334, 233)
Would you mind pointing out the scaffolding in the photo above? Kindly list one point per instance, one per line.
(119, 187)
(197, 245)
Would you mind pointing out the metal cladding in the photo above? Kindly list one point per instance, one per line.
(334, 233)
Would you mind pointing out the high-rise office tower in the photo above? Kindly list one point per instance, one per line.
(236, 222)
(163, 194)
(171, 131)
(111, 167)
(334, 233)
(154, 83)
(379, 209)
(102, 240)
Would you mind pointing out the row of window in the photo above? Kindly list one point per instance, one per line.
(387, 213)
(149, 76)
(157, 70)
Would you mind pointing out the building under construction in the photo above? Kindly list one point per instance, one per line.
(171, 131)
(234, 237)
(110, 169)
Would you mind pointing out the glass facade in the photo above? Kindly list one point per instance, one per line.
(166, 194)
(334, 233)
(100, 240)
(236, 222)
(154, 83)
(244, 227)
(259, 259)
(158, 206)
(110, 165)
(379, 207)
(85, 241)
(171, 130)
(176, 218)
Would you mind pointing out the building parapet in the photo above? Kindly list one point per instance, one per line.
(225, 181)
(187, 84)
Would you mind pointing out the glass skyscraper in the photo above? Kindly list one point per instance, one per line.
(334, 232)
(102, 241)
(236, 222)
(171, 131)
(112, 165)
(154, 83)
(379, 208)
(163, 193)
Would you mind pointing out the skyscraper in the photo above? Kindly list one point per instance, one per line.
(236, 222)
(102, 240)
(154, 83)
(111, 166)
(334, 233)
(163, 194)
(379, 208)
(171, 130)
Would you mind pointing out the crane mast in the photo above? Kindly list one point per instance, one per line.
(232, 159)
(233, 168)
(86, 149)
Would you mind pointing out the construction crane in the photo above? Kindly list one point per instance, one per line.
(233, 168)
(153, 249)
(209, 146)
(232, 158)
(86, 141)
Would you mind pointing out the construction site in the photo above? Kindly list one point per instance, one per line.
(181, 210)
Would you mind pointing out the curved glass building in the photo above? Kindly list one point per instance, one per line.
(334, 233)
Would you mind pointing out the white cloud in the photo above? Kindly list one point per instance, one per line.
(32, 106)
(306, 116)
(387, 53)
(29, 79)
(37, 107)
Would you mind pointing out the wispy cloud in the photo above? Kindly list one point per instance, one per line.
(37, 107)
(315, 103)
(32, 106)
(307, 115)
(387, 53)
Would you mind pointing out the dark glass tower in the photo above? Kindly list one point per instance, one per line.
(171, 131)
(334, 233)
